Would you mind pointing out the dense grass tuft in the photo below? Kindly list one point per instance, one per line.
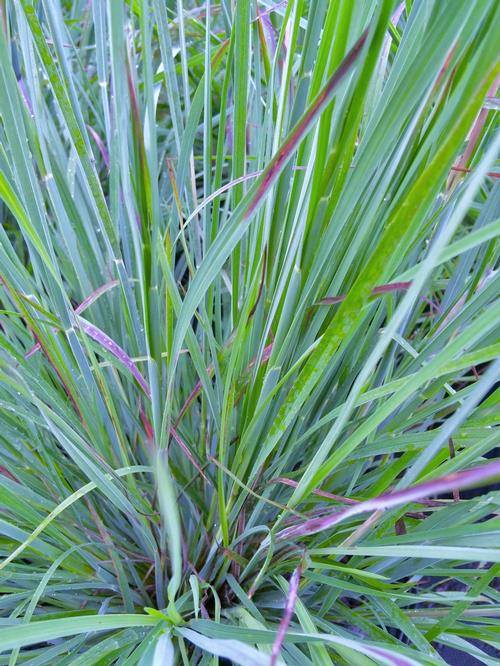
(249, 332)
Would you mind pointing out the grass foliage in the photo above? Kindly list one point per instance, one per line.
(248, 282)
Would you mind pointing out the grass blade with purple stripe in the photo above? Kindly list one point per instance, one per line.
(465, 479)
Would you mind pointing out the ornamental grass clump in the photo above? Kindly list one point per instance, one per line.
(249, 332)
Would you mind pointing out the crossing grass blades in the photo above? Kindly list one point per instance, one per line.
(249, 332)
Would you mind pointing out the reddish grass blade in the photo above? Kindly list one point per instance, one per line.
(147, 424)
(261, 285)
(400, 527)
(352, 501)
(33, 350)
(381, 289)
(83, 306)
(5, 472)
(25, 95)
(315, 491)
(186, 451)
(17, 299)
(266, 355)
(287, 615)
(273, 169)
(474, 137)
(491, 174)
(192, 396)
(136, 118)
(100, 144)
(175, 435)
(115, 349)
(477, 475)
(95, 295)
(210, 370)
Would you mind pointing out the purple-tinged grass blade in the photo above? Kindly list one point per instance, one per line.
(147, 424)
(397, 13)
(196, 390)
(291, 600)
(80, 308)
(381, 289)
(198, 386)
(18, 298)
(5, 472)
(25, 95)
(272, 9)
(222, 247)
(274, 167)
(315, 491)
(95, 295)
(110, 345)
(490, 174)
(268, 30)
(266, 355)
(349, 500)
(477, 475)
(100, 144)
(36, 347)
(185, 449)
(473, 138)
(176, 436)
